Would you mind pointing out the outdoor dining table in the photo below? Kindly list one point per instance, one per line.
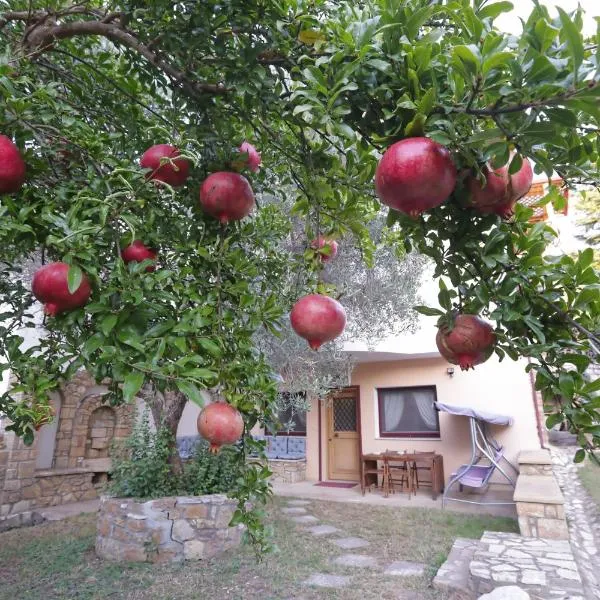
(374, 475)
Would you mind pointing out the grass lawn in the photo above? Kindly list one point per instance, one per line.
(56, 560)
(590, 477)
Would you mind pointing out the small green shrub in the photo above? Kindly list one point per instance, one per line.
(141, 467)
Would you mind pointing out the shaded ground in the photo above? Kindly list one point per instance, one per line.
(56, 560)
(590, 477)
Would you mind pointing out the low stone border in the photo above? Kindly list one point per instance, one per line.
(287, 471)
(166, 530)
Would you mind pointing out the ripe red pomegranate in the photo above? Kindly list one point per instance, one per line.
(138, 252)
(318, 319)
(471, 341)
(50, 287)
(414, 175)
(226, 196)
(174, 173)
(220, 424)
(501, 191)
(254, 159)
(330, 246)
(12, 167)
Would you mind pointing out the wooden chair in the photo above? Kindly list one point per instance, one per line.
(398, 472)
(423, 466)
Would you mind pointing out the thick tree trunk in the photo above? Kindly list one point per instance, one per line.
(166, 411)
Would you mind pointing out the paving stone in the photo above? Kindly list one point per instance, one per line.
(405, 568)
(298, 502)
(350, 543)
(325, 580)
(293, 510)
(533, 577)
(508, 592)
(356, 560)
(323, 530)
(304, 519)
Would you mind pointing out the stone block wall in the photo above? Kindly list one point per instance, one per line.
(540, 503)
(166, 530)
(287, 471)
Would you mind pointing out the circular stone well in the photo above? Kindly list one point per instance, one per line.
(166, 529)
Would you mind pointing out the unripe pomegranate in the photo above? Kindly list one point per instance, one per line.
(50, 287)
(220, 423)
(12, 167)
(318, 319)
(501, 191)
(470, 342)
(138, 252)
(174, 173)
(253, 161)
(330, 247)
(226, 196)
(415, 175)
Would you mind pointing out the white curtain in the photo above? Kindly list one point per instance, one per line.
(393, 409)
(424, 402)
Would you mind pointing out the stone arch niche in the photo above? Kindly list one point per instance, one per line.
(101, 431)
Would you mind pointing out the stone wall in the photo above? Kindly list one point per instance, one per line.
(287, 471)
(540, 503)
(80, 461)
(166, 530)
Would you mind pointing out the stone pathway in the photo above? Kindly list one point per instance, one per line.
(352, 561)
(583, 518)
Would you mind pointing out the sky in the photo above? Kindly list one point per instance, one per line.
(510, 21)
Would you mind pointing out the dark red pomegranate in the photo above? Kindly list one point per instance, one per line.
(220, 423)
(50, 287)
(330, 248)
(226, 196)
(12, 167)
(415, 175)
(501, 191)
(253, 159)
(138, 252)
(174, 173)
(471, 341)
(318, 319)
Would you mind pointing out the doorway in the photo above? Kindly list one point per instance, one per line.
(343, 435)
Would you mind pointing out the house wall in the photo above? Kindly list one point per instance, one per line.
(503, 388)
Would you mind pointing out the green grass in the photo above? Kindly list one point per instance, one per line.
(56, 560)
(590, 477)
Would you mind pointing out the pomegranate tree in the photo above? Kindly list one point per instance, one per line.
(318, 319)
(137, 251)
(327, 248)
(175, 171)
(415, 175)
(227, 196)
(469, 342)
(12, 167)
(501, 190)
(220, 423)
(50, 287)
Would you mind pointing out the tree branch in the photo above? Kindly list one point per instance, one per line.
(42, 34)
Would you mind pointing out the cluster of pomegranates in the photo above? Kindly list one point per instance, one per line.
(418, 174)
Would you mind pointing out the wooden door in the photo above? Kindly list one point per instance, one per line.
(343, 425)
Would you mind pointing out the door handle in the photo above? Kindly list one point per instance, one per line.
(336, 435)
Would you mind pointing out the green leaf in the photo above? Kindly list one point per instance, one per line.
(190, 391)
(573, 38)
(132, 385)
(470, 56)
(416, 128)
(515, 164)
(74, 278)
(380, 65)
(591, 387)
(429, 312)
(496, 60)
(566, 384)
(579, 456)
(107, 324)
(310, 37)
(427, 101)
(211, 347)
(491, 11)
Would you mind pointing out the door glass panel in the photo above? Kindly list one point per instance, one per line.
(344, 414)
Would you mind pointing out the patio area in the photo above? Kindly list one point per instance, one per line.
(308, 490)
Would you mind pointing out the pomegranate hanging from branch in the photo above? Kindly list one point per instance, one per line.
(318, 319)
(220, 424)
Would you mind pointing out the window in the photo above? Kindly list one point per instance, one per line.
(408, 412)
(291, 417)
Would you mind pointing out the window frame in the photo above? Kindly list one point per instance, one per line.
(294, 432)
(407, 434)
